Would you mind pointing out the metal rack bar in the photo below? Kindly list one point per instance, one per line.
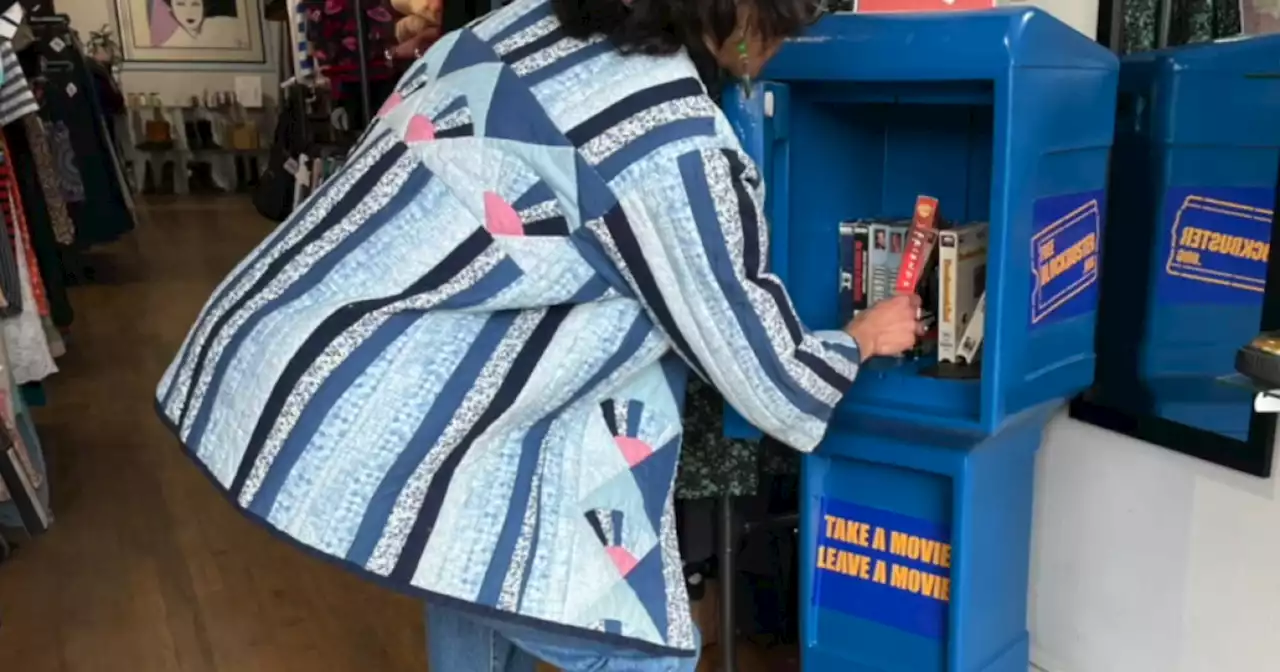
(362, 52)
(1111, 33)
(728, 533)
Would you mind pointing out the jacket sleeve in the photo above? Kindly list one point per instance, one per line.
(693, 242)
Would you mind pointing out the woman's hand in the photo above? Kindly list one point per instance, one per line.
(419, 27)
(887, 328)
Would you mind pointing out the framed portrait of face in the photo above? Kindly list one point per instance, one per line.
(1260, 17)
(195, 31)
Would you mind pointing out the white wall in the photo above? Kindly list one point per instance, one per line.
(1145, 560)
(175, 83)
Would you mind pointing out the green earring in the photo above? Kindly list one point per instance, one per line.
(746, 65)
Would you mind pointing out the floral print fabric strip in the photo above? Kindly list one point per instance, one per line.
(712, 465)
(331, 30)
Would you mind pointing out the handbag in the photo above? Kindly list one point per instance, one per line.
(157, 130)
(274, 195)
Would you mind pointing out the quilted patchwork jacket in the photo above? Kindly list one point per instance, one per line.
(458, 368)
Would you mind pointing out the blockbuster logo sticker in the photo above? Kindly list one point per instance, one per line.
(1064, 256)
(1221, 243)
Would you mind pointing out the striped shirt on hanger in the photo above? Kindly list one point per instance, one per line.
(11, 20)
(16, 99)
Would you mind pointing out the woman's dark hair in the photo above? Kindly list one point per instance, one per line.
(215, 7)
(660, 27)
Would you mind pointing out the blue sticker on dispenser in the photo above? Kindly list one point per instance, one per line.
(884, 567)
(1065, 247)
(1213, 245)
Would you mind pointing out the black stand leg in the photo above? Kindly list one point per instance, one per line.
(728, 575)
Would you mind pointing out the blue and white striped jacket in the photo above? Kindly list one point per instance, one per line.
(459, 368)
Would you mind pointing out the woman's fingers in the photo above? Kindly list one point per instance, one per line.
(418, 29)
(410, 27)
(902, 328)
(416, 45)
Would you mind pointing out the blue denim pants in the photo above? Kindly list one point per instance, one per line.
(460, 642)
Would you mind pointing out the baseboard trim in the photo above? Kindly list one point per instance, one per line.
(1042, 661)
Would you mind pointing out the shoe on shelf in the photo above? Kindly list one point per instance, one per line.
(1260, 360)
(148, 177)
(168, 177)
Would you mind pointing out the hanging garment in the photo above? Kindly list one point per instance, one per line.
(64, 158)
(19, 431)
(24, 336)
(274, 197)
(48, 267)
(109, 98)
(1191, 21)
(304, 64)
(16, 223)
(331, 30)
(50, 185)
(108, 103)
(458, 368)
(70, 97)
(712, 465)
(23, 38)
(11, 21)
(28, 465)
(16, 99)
(10, 283)
(26, 202)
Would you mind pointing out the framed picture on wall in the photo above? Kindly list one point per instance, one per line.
(1260, 17)
(191, 31)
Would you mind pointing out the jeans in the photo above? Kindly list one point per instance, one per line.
(461, 642)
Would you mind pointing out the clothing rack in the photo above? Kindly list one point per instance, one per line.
(59, 104)
(362, 52)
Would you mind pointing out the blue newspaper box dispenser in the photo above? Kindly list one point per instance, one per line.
(916, 510)
(1197, 149)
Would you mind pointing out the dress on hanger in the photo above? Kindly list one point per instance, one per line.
(1192, 21)
(15, 419)
(44, 213)
(10, 285)
(24, 335)
(712, 465)
(70, 96)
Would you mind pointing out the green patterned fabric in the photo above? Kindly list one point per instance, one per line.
(1192, 21)
(711, 465)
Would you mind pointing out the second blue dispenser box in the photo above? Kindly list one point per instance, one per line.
(916, 510)
(1197, 149)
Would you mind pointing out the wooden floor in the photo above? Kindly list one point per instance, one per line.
(147, 568)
